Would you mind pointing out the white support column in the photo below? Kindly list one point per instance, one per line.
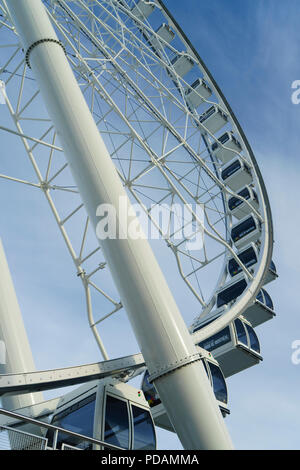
(16, 354)
(158, 325)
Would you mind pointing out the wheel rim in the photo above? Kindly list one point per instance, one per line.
(162, 151)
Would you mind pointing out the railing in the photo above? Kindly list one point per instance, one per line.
(12, 438)
(19, 440)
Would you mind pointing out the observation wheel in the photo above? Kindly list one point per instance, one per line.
(177, 146)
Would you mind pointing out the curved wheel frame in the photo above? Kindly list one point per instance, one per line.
(138, 97)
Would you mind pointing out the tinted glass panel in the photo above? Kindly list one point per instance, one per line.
(207, 114)
(235, 166)
(116, 422)
(236, 142)
(219, 385)
(268, 300)
(205, 367)
(196, 83)
(273, 267)
(215, 341)
(247, 257)
(78, 418)
(254, 343)
(202, 326)
(224, 138)
(235, 202)
(144, 435)
(199, 83)
(150, 393)
(260, 297)
(240, 332)
(231, 293)
(242, 229)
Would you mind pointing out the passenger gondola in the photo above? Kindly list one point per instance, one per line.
(213, 119)
(182, 64)
(262, 309)
(249, 257)
(236, 347)
(109, 411)
(143, 9)
(247, 230)
(217, 382)
(236, 174)
(198, 92)
(165, 33)
(231, 291)
(228, 148)
(239, 208)
(271, 274)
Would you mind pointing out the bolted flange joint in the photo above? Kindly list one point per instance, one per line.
(41, 41)
(176, 365)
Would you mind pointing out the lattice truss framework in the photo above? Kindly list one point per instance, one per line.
(161, 149)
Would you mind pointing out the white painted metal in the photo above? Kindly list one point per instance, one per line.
(51, 379)
(265, 210)
(79, 35)
(15, 439)
(158, 411)
(226, 151)
(18, 357)
(271, 275)
(42, 427)
(243, 209)
(40, 410)
(182, 64)
(213, 119)
(142, 9)
(164, 32)
(233, 355)
(197, 93)
(247, 236)
(240, 177)
(74, 38)
(253, 248)
(122, 391)
(231, 284)
(185, 392)
(47, 183)
(259, 312)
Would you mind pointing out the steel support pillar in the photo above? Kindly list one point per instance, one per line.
(165, 342)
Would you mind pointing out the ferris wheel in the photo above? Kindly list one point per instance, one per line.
(178, 149)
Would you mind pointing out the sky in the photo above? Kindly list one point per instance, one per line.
(252, 48)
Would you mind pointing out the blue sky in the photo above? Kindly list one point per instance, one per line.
(252, 49)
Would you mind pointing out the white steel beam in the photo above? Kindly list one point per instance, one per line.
(166, 345)
(18, 357)
(57, 378)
